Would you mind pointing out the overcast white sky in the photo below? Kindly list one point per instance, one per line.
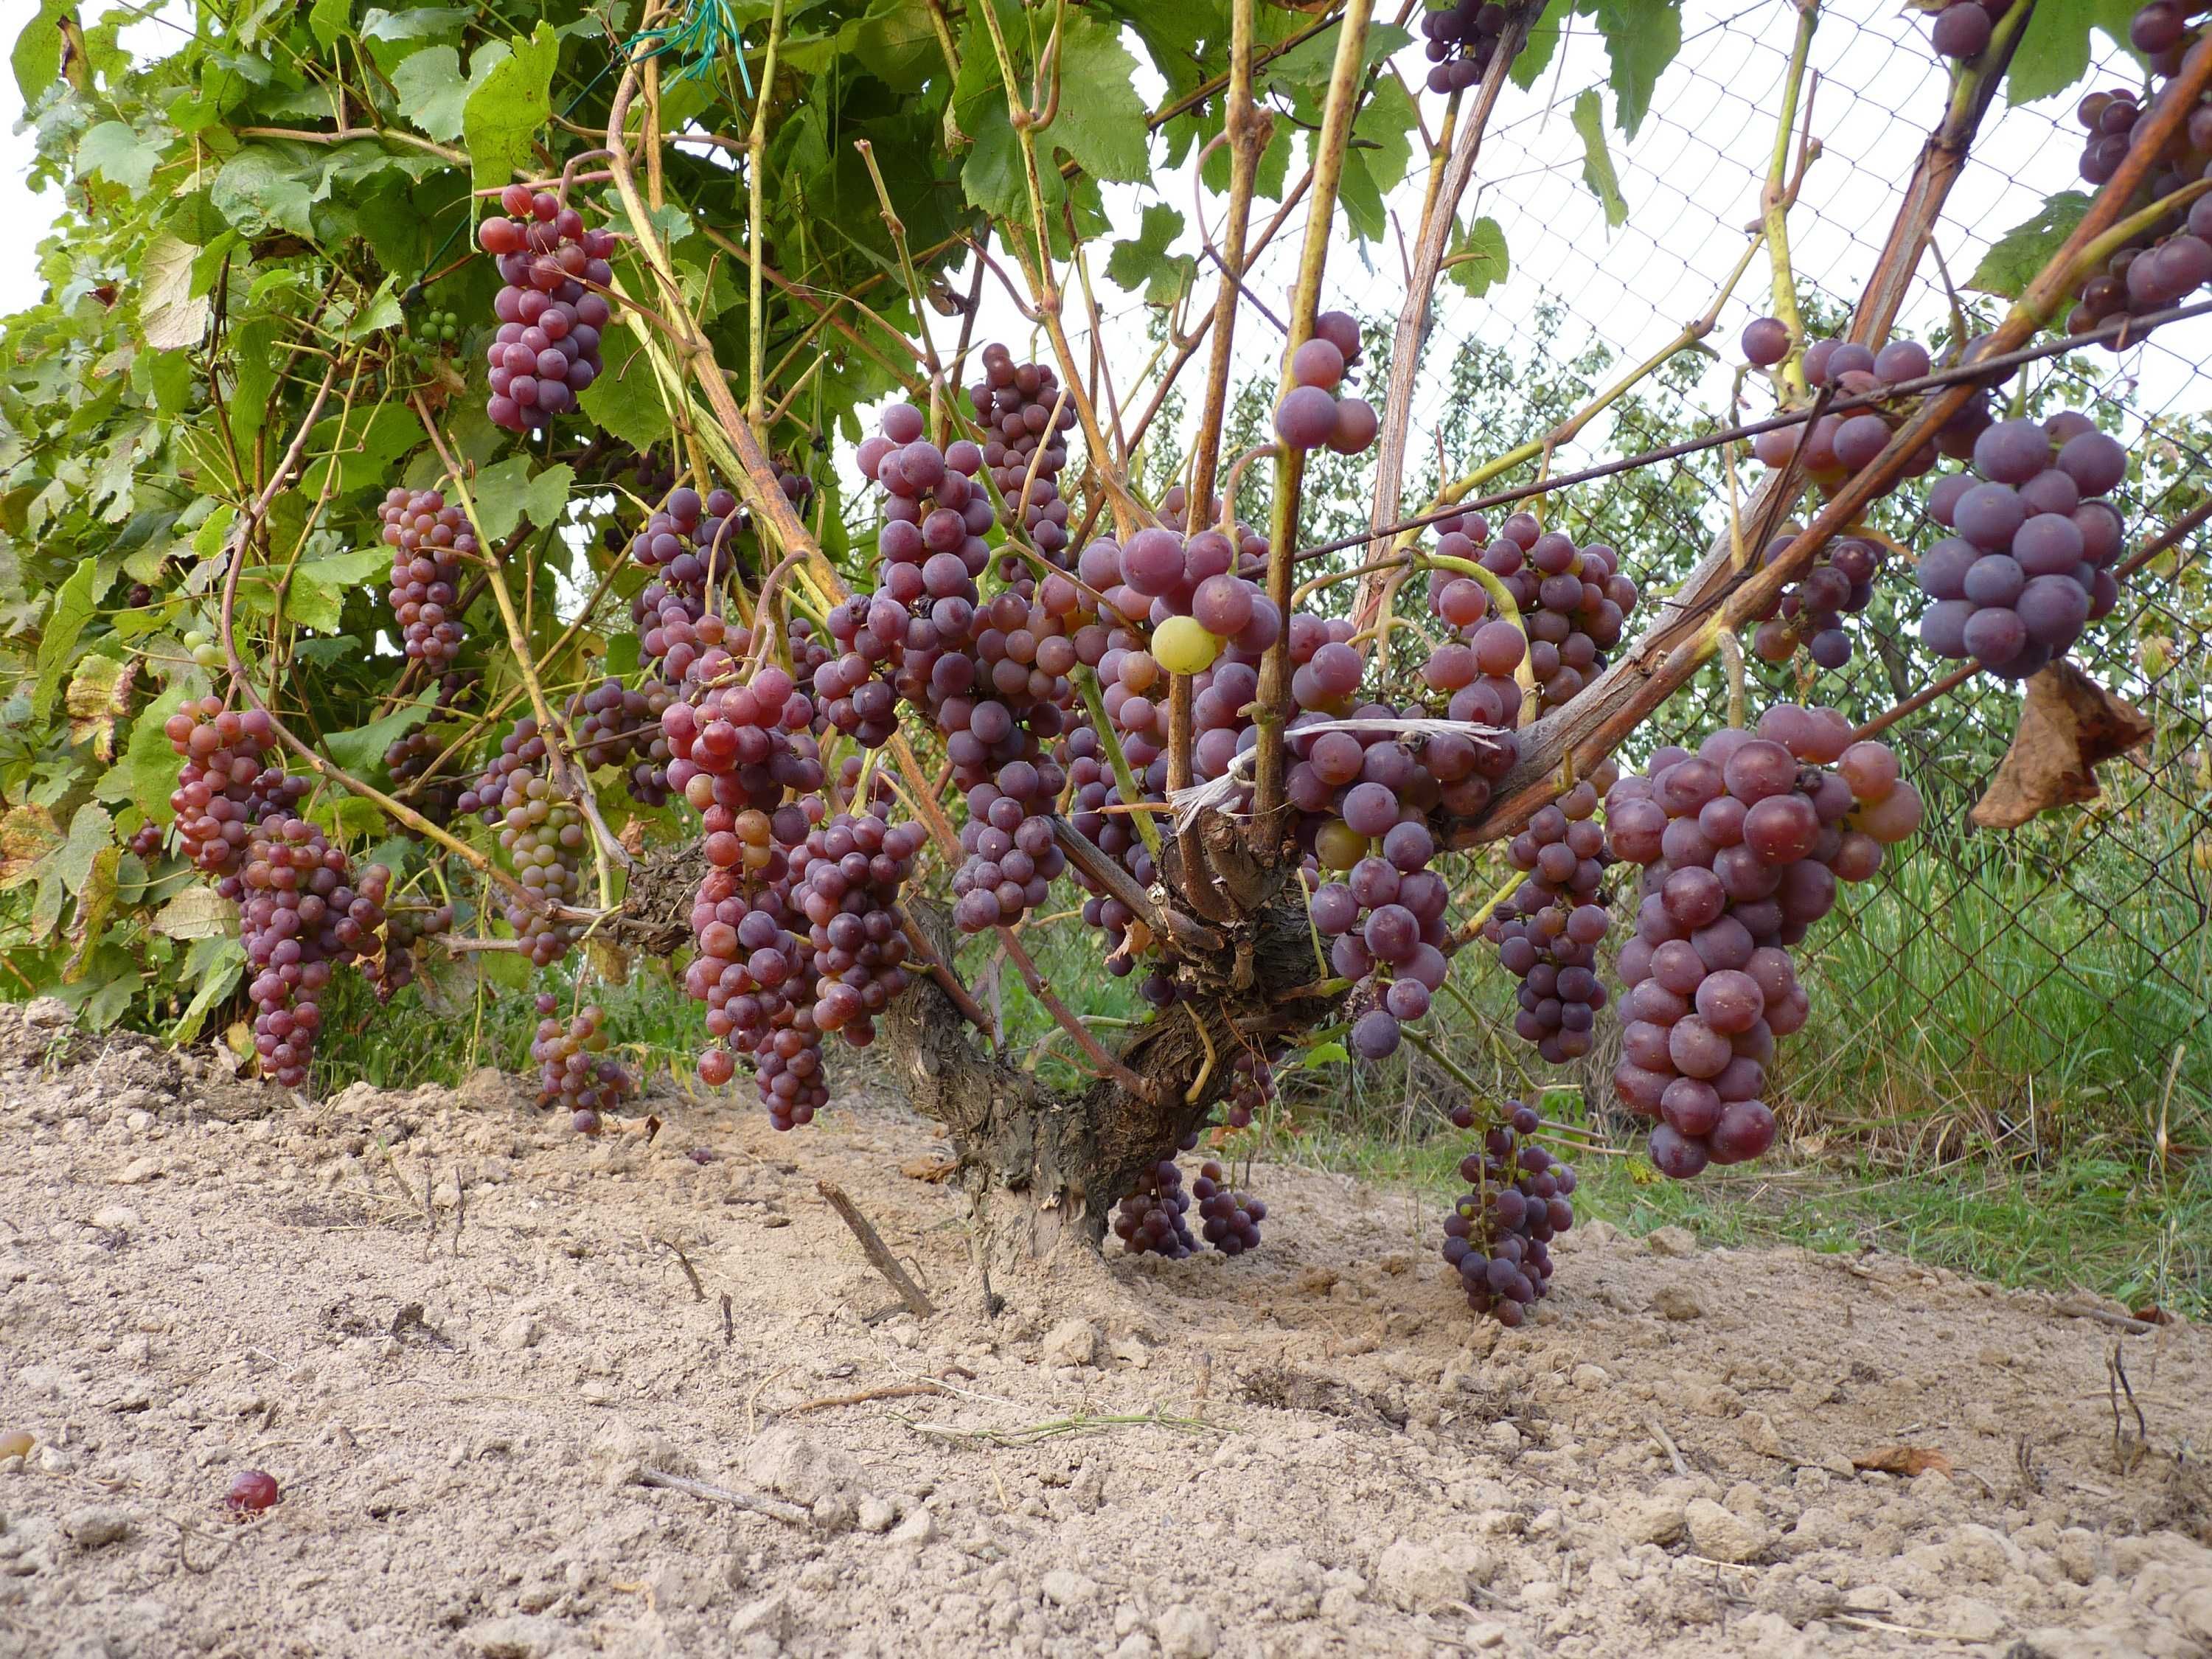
(1690, 177)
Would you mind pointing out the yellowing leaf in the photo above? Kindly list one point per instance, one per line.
(93, 906)
(99, 695)
(198, 912)
(28, 834)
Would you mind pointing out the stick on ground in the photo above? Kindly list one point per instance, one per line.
(878, 1255)
(773, 1507)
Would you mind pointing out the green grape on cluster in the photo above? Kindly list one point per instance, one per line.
(430, 331)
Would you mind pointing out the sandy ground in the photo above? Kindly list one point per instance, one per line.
(1312, 1450)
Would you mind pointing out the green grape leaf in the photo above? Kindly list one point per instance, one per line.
(506, 495)
(625, 399)
(1144, 262)
(361, 751)
(316, 595)
(73, 602)
(261, 189)
(36, 56)
(1101, 121)
(1375, 164)
(363, 451)
(170, 314)
(117, 155)
(1642, 37)
(220, 970)
(148, 771)
(1478, 260)
(95, 903)
(2016, 258)
(89, 831)
(507, 106)
(2054, 49)
(1597, 160)
(1543, 42)
(432, 92)
(331, 20)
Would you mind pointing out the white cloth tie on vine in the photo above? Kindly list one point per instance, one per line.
(1186, 803)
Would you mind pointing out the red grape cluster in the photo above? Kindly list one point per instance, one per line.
(1741, 844)
(2171, 258)
(405, 926)
(409, 757)
(689, 545)
(1229, 1219)
(1015, 406)
(1837, 446)
(612, 725)
(1462, 37)
(541, 830)
(2030, 564)
(574, 1071)
(1385, 918)
(1548, 931)
(550, 309)
(1812, 609)
(428, 540)
(1498, 1235)
(145, 842)
(225, 787)
(1476, 671)
(300, 916)
(1251, 1087)
(845, 879)
(1574, 603)
(1150, 1219)
(1311, 413)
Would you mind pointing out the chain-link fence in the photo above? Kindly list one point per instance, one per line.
(2016, 984)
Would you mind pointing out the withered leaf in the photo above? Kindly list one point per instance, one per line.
(1907, 1460)
(2068, 725)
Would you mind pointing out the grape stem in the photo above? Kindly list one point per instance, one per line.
(1775, 198)
(1094, 701)
(1449, 174)
(1245, 130)
(241, 537)
(1347, 78)
(561, 761)
(939, 393)
(1198, 1083)
(756, 169)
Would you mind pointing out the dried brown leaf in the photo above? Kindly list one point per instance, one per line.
(1907, 1460)
(2069, 724)
(927, 1167)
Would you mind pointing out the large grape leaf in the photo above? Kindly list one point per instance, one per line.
(433, 93)
(262, 189)
(1597, 160)
(361, 750)
(625, 399)
(505, 108)
(1144, 263)
(1641, 39)
(507, 494)
(1376, 163)
(1101, 121)
(1543, 42)
(73, 607)
(316, 595)
(2015, 258)
(148, 771)
(2053, 53)
(117, 155)
(1478, 260)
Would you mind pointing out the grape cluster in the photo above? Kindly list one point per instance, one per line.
(430, 331)
(145, 842)
(574, 1071)
(225, 787)
(1252, 1085)
(1150, 1219)
(1498, 1235)
(1385, 918)
(300, 916)
(1461, 40)
(409, 757)
(845, 879)
(1741, 845)
(551, 308)
(612, 725)
(2171, 258)
(2030, 564)
(1812, 609)
(541, 830)
(404, 928)
(1229, 1219)
(428, 540)
(1574, 603)
(689, 547)
(1015, 405)
(1311, 413)
(1835, 446)
(1548, 931)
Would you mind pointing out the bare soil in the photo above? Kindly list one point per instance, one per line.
(476, 1409)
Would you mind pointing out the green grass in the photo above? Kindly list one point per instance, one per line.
(2090, 1222)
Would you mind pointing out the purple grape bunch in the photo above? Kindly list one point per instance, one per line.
(1315, 413)
(2028, 565)
(1742, 845)
(1548, 931)
(551, 306)
(1498, 1238)
(1462, 37)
